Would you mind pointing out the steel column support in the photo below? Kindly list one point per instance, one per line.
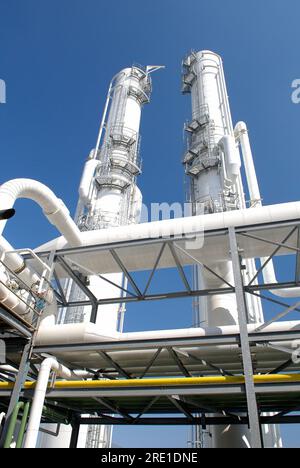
(21, 377)
(254, 420)
(75, 433)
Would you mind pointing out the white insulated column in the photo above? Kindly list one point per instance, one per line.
(114, 197)
(212, 162)
(205, 162)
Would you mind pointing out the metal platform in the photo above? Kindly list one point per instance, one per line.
(230, 355)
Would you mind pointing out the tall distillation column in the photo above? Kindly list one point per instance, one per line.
(112, 197)
(213, 165)
(108, 197)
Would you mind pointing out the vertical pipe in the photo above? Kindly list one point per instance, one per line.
(12, 424)
(23, 425)
(39, 397)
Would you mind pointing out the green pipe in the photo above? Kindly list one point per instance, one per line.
(12, 424)
(23, 425)
(47, 412)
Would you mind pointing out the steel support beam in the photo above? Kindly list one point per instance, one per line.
(60, 289)
(203, 362)
(113, 408)
(281, 368)
(154, 269)
(75, 433)
(114, 364)
(15, 323)
(177, 360)
(203, 265)
(254, 421)
(147, 408)
(82, 286)
(267, 241)
(278, 316)
(179, 267)
(152, 361)
(126, 272)
(182, 407)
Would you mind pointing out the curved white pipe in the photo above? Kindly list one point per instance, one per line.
(10, 369)
(269, 274)
(39, 397)
(53, 208)
(232, 157)
(87, 176)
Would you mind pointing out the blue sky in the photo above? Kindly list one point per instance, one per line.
(57, 58)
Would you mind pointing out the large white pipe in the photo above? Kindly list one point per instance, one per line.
(16, 264)
(241, 133)
(87, 177)
(90, 333)
(189, 226)
(53, 208)
(232, 157)
(269, 274)
(39, 397)
(16, 302)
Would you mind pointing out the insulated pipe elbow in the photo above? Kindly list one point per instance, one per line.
(39, 397)
(53, 208)
(87, 177)
(232, 157)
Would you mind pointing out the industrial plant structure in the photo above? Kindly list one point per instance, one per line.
(71, 373)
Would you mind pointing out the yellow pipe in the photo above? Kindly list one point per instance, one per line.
(165, 382)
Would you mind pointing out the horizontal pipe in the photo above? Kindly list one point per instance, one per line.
(16, 264)
(166, 382)
(89, 333)
(189, 226)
